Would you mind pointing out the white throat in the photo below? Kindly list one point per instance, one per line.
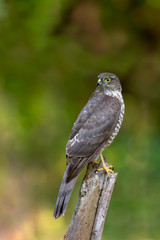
(116, 94)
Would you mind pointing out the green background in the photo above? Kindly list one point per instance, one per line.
(50, 55)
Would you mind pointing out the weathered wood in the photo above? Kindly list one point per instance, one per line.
(102, 207)
(92, 205)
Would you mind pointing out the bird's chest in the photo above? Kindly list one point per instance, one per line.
(120, 119)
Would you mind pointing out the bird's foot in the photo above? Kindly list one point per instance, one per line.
(107, 169)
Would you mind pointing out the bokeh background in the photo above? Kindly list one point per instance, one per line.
(50, 55)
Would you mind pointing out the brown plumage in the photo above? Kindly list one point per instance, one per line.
(95, 128)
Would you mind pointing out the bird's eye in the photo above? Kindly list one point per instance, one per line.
(108, 80)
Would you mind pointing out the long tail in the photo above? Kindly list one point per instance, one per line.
(64, 195)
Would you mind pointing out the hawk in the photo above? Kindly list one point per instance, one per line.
(95, 128)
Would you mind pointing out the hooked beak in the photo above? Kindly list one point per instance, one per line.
(99, 82)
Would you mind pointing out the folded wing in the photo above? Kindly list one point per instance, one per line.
(93, 127)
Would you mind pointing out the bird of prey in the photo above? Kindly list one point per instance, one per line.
(95, 128)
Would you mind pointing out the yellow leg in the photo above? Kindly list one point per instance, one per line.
(107, 169)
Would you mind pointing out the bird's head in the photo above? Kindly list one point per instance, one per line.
(109, 81)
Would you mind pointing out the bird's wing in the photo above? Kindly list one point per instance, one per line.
(87, 111)
(94, 127)
(92, 135)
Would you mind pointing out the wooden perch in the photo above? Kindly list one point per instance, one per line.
(92, 205)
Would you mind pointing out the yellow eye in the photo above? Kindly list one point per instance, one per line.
(108, 80)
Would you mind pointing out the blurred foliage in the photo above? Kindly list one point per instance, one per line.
(51, 53)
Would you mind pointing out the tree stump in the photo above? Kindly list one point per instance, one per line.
(92, 205)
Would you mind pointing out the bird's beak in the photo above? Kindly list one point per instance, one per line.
(99, 82)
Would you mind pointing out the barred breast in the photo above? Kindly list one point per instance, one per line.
(118, 95)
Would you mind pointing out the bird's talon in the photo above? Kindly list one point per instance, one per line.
(107, 169)
(111, 167)
(100, 169)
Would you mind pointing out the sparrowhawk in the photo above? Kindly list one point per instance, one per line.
(95, 128)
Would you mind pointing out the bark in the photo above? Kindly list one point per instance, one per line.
(92, 205)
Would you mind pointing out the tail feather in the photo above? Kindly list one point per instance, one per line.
(64, 195)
